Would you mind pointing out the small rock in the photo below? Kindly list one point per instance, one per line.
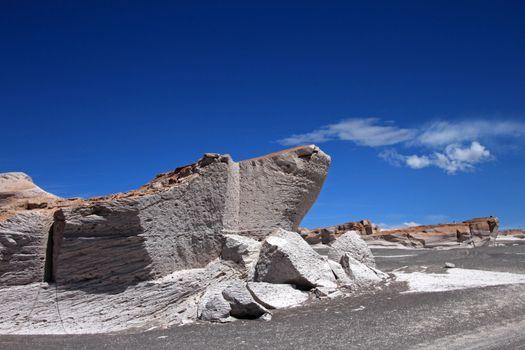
(449, 265)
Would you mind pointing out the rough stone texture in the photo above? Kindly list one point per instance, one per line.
(144, 257)
(286, 258)
(41, 308)
(177, 221)
(360, 274)
(242, 303)
(326, 235)
(213, 307)
(351, 243)
(23, 239)
(243, 251)
(277, 190)
(277, 296)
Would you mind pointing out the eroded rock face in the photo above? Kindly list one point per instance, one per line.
(177, 221)
(23, 245)
(155, 255)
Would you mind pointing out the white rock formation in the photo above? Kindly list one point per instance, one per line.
(286, 258)
(351, 243)
(277, 296)
(147, 257)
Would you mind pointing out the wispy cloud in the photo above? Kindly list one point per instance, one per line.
(451, 146)
(365, 132)
(443, 133)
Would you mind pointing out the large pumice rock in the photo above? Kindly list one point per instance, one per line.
(177, 221)
(351, 243)
(148, 255)
(286, 258)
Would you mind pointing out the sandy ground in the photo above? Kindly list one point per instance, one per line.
(474, 315)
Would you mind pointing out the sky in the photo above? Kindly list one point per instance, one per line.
(421, 105)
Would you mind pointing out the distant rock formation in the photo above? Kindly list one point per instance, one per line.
(17, 191)
(326, 235)
(182, 247)
(474, 232)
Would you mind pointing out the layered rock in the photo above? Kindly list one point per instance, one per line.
(131, 258)
(474, 232)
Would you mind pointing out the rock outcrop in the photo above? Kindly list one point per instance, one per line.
(326, 235)
(473, 233)
(211, 241)
(17, 191)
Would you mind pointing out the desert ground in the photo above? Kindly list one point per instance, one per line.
(489, 317)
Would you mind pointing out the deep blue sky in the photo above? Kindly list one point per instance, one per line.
(98, 97)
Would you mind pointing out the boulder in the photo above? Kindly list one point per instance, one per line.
(360, 274)
(242, 303)
(243, 251)
(286, 258)
(213, 307)
(277, 296)
(351, 243)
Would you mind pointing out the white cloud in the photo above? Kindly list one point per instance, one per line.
(411, 224)
(455, 158)
(362, 131)
(417, 162)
